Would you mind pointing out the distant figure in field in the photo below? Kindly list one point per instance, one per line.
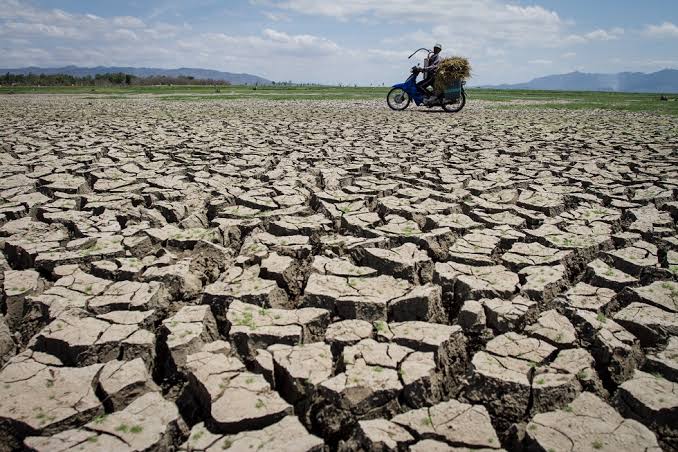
(430, 69)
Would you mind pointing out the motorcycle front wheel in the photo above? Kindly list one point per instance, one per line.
(398, 99)
(456, 106)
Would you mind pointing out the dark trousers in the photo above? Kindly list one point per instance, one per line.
(424, 84)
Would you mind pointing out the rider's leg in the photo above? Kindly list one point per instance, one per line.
(424, 84)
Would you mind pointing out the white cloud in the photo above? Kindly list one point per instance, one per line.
(657, 64)
(479, 19)
(568, 55)
(604, 35)
(302, 42)
(30, 36)
(493, 52)
(276, 17)
(540, 62)
(270, 46)
(122, 34)
(128, 22)
(20, 19)
(595, 35)
(25, 29)
(664, 30)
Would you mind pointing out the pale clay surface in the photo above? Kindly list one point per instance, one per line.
(325, 275)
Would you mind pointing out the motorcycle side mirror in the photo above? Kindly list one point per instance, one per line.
(415, 52)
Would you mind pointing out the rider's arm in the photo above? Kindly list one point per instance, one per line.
(432, 66)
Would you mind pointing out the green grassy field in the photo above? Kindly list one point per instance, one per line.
(581, 100)
(207, 91)
(504, 99)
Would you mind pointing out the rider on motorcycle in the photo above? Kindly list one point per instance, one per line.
(430, 70)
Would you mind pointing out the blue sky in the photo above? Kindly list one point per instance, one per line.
(344, 41)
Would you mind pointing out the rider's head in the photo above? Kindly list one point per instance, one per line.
(437, 48)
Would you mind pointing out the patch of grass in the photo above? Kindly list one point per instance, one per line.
(136, 429)
(226, 444)
(408, 230)
(247, 319)
(597, 444)
(124, 428)
(260, 404)
(187, 93)
(577, 100)
(601, 317)
(564, 100)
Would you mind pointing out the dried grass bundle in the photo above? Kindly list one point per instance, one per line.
(450, 70)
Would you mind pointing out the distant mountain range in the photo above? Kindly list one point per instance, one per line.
(665, 81)
(236, 79)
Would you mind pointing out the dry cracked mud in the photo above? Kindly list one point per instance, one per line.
(328, 275)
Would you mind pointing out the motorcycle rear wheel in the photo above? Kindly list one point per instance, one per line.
(398, 99)
(455, 106)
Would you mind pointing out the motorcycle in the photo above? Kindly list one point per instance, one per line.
(452, 100)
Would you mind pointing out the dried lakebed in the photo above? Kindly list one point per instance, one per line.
(327, 275)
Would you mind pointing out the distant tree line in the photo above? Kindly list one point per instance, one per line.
(115, 79)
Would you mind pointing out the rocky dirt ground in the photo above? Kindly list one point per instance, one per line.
(333, 275)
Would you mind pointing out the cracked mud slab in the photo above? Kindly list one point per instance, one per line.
(288, 434)
(589, 424)
(452, 422)
(40, 396)
(653, 401)
(149, 422)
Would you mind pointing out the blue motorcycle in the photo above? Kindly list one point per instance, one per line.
(451, 100)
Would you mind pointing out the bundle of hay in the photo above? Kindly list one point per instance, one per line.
(449, 70)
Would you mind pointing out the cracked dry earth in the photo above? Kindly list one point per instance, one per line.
(335, 276)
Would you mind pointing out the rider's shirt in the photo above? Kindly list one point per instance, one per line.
(433, 61)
